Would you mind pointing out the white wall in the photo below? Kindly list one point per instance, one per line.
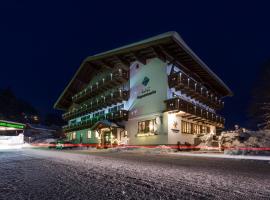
(173, 135)
(150, 106)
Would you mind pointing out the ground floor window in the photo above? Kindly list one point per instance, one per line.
(196, 129)
(89, 134)
(74, 135)
(191, 128)
(147, 127)
(205, 129)
(186, 127)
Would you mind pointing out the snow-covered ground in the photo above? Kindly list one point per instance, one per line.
(49, 174)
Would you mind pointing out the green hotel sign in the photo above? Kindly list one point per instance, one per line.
(11, 125)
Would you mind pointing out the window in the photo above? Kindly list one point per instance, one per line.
(120, 107)
(73, 122)
(186, 127)
(113, 109)
(89, 134)
(70, 136)
(146, 126)
(196, 129)
(74, 135)
(84, 118)
(191, 128)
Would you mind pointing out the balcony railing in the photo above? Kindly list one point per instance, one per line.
(99, 103)
(117, 116)
(197, 113)
(114, 79)
(187, 85)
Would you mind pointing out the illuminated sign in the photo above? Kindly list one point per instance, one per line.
(11, 125)
(147, 90)
(145, 81)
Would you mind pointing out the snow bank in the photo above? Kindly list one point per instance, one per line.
(45, 141)
(243, 142)
(156, 150)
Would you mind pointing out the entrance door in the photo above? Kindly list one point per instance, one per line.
(106, 139)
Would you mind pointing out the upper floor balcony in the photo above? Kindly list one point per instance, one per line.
(96, 104)
(194, 112)
(112, 80)
(187, 85)
(117, 116)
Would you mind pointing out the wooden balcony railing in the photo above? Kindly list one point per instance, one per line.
(117, 116)
(112, 80)
(187, 85)
(99, 103)
(196, 113)
(120, 115)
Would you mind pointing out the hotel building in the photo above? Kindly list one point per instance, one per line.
(156, 91)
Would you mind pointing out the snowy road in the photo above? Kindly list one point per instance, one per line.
(41, 174)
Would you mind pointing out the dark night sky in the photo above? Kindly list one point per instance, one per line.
(42, 44)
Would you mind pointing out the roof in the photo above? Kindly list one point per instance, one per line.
(40, 127)
(168, 47)
(104, 123)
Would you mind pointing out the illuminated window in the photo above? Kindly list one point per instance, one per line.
(191, 128)
(70, 136)
(196, 129)
(146, 126)
(89, 134)
(74, 135)
(186, 127)
(205, 129)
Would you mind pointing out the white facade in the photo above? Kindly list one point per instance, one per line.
(146, 102)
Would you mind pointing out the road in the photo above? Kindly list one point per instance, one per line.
(49, 174)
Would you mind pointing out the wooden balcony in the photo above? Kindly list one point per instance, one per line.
(182, 82)
(120, 115)
(99, 103)
(112, 80)
(117, 116)
(194, 112)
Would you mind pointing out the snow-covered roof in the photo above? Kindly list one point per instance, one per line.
(168, 46)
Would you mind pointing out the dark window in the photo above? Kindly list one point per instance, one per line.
(120, 107)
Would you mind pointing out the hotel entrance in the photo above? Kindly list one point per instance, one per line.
(108, 134)
(106, 138)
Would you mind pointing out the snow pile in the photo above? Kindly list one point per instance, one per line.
(209, 142)
(118, 149)
(45, 141)
(242, 142)
(155, 150)
(162, 149)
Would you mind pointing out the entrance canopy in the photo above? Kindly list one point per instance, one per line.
(105, 124)
(8, 125)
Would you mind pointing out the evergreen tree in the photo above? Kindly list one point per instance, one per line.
(260, 104)
(13, 108)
